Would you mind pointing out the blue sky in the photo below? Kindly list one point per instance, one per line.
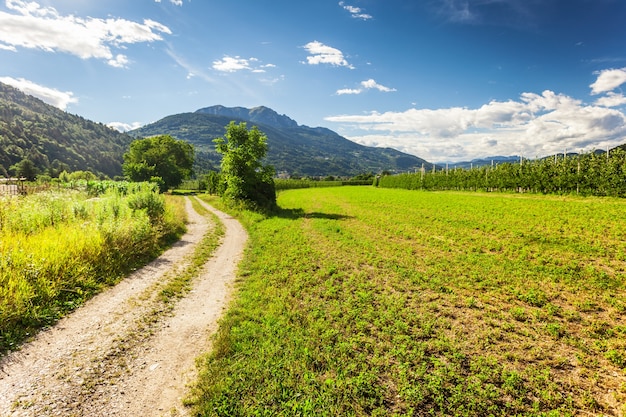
(446, 80)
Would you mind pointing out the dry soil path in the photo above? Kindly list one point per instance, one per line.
(119, 355)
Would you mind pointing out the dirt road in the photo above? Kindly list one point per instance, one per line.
(116, 356)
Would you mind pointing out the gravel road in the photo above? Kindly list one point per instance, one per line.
(116, 355)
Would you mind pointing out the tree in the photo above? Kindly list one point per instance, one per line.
(246, 179)
(25, 169)
(161, 159)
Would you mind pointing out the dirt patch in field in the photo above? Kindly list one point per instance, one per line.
(118, 355)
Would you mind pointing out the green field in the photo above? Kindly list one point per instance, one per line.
(365, 301)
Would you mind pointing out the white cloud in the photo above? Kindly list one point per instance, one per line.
(236, 63)
(35, 27)
(534, 125)
(324, 54)
(356, 12)
(174, 2)
(231, 64)
(366, 85)
(60, 99)
(369, 84)
(611, 100)
(608, 80)
(124, 127)
(345, 91)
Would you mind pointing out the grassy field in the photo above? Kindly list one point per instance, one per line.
(58, 248)
(364, 301)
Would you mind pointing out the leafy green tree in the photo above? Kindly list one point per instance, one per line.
(26, 169)
(161, 159)
(246, 179)
(212, 183)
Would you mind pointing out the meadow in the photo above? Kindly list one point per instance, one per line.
(361, 301)
(60, 247)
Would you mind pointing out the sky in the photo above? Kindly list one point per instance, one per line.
(445, 80)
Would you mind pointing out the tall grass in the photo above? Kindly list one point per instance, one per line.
(59, 248)
(361, 301)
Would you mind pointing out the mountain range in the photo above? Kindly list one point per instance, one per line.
(293, 149)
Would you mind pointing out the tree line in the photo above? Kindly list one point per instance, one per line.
(598, 174)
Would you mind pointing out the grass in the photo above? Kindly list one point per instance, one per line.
(57, 249)
(361, 301)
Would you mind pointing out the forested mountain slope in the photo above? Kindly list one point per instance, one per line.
(293, 148)
(55, 140)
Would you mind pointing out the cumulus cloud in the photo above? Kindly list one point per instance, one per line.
(608, 80)
(324, 54)
(124, 127)
(356, 12)
(365, 85)
(33, 26)
(611, 100)
(54, 97)
(534, 125)
(369, 84)
(236, 63)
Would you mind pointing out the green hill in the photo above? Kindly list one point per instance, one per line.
(293, 148)
(55, 140)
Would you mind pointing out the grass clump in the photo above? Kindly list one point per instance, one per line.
(59, 248)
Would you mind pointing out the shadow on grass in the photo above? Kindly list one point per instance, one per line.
(299, 213)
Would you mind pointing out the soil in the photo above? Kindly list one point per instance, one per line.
(120, 354)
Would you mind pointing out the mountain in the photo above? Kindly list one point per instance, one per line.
(260, 115)
(292, 148)
(475, 163)
(55, 140)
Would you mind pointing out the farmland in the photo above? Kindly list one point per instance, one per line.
(366, 301)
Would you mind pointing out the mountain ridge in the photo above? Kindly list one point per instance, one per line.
(55, 140)
(259, 114)
(293, 149)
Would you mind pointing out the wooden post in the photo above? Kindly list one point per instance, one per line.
(578, 176)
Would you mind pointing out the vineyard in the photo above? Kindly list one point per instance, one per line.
(597, 174)
(59, 247)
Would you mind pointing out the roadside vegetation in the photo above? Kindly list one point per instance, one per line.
(244, 179)
(367, 301)
(60, 247)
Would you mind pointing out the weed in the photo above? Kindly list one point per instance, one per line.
(519, 313)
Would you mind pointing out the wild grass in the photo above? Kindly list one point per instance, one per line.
(59, 248)
(363, 301)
